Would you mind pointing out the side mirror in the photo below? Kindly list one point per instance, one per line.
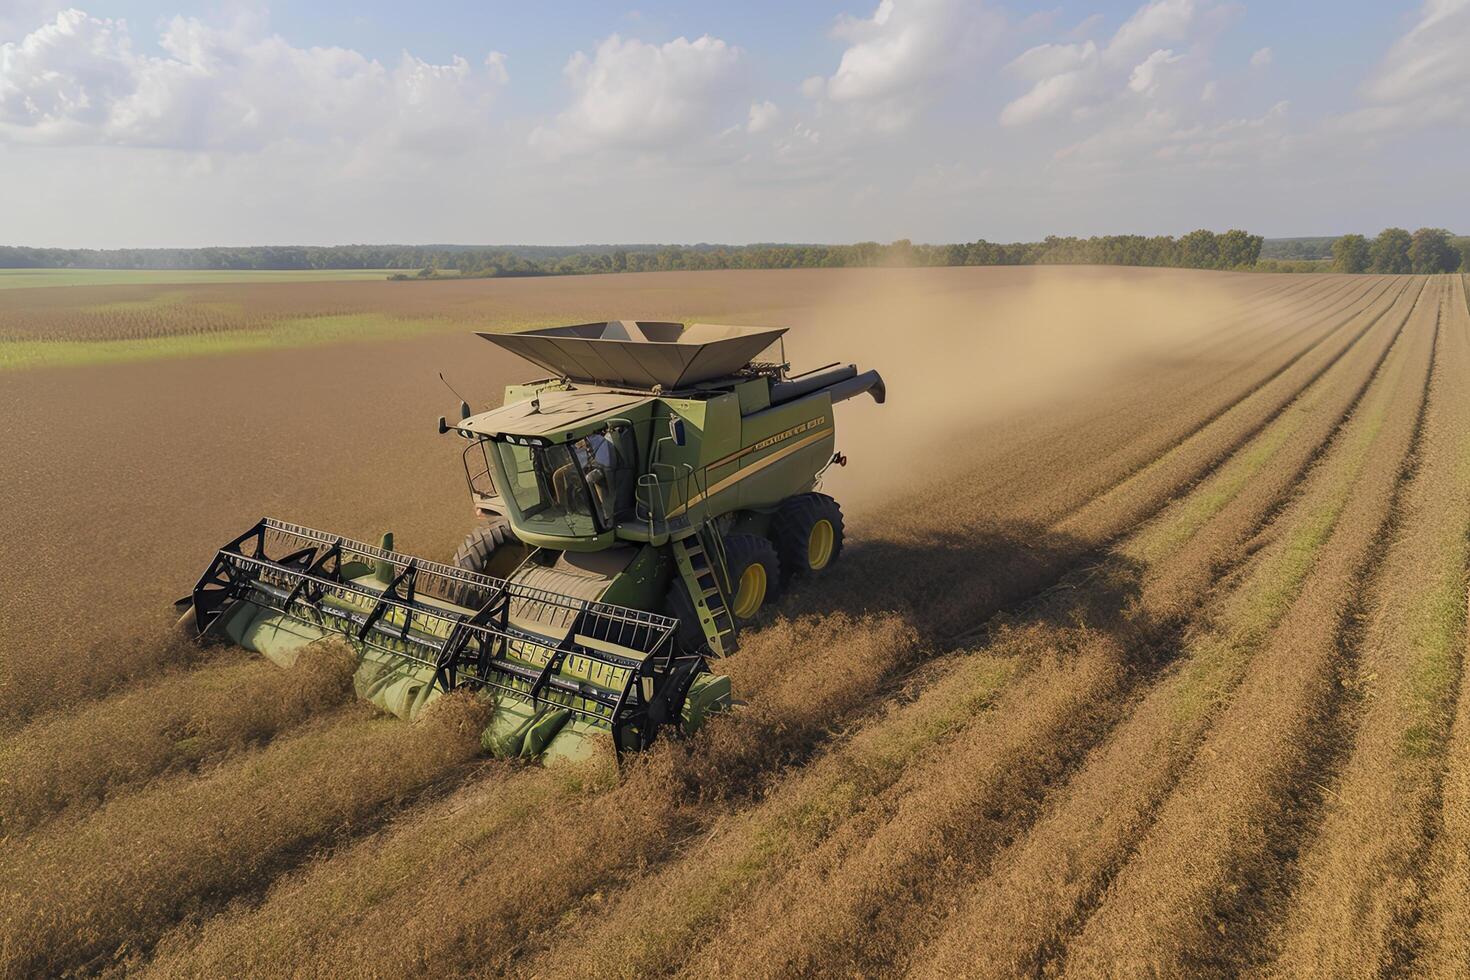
(676, 430)
(443, 425)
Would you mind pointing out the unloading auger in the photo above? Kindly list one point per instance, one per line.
(635, 508)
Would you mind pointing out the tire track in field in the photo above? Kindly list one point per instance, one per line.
(876, 863)
(1198, 872)
(807, 748)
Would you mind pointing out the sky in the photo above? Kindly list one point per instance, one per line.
(166, 123)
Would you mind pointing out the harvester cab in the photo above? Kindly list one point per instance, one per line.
(635, 507)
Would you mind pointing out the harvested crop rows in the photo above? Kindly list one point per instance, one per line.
(1159, 674)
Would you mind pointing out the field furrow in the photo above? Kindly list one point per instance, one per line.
(1440, 946)
(1192, 895)
(1039, 889)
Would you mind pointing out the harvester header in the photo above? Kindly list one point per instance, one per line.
(634, 509)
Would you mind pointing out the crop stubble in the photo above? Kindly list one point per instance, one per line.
(1225, 421)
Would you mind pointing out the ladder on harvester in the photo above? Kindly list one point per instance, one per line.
(707, 588)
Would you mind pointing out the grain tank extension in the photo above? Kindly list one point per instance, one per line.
(635, 509)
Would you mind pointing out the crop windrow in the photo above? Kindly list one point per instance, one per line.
(1197, 456)
(116, 879)
(180, 722)
(33, 686)
(1191, 897)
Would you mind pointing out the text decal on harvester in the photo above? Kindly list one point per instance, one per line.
(783, 436)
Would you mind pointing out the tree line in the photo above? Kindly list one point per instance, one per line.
(1201, 249)
(1394, 250)
(1427, 251)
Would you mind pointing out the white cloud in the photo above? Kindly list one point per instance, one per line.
(1081, 76)
(1144, 79)
(1142, 98)
(1430, 59)
(899, 58)
(1423, 80)
(1047, 97)
(80, 80)
(1160, 22)
(1046, 60)
(763, 116)
(634, 95)
(1262, 58)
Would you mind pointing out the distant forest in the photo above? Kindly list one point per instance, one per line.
(1395, 250)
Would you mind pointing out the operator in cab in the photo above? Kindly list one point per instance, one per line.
(594, 455)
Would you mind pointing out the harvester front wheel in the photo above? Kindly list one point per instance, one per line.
(755, 573)
(492, 548)
(808, 533)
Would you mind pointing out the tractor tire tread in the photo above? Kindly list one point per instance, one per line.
(743, 549)
(791, 530)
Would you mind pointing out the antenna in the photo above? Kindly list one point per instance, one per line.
(451, 389)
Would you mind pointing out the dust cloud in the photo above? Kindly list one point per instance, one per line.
(960, 365)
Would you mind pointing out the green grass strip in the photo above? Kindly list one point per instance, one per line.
(36, 278)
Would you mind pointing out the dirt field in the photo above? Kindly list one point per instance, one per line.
(1144, 658)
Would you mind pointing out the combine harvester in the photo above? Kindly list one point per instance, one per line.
(635, 509)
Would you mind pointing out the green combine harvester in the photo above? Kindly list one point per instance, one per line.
(636, 508)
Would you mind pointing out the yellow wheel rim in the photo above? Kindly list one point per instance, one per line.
(819, 545)
(752, 590)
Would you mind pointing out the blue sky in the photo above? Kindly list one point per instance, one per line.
(163, 122)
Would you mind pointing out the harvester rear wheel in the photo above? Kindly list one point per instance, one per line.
(808, 533)
(755, 573)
